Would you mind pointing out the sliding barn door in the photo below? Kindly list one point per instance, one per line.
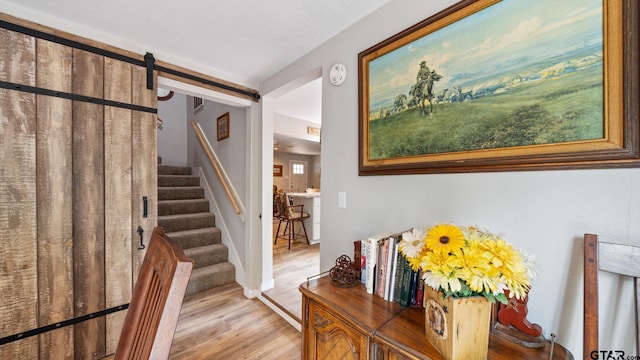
(77, 157)
(18, 205)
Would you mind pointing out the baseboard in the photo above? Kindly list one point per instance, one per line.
(250, 293)
(268, 284)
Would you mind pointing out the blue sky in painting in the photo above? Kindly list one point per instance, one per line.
(503, 35)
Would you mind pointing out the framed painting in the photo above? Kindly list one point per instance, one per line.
(277, 170)
(223, 126)
(490, 85)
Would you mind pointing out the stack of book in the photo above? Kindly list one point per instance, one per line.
(385, 272)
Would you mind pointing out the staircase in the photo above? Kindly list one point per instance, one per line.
(184, 214)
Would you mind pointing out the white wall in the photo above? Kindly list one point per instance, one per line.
(315, 171)
(172, 137)
(544, 212)
(294, 127)
(231, 151)
(232, 154)
(282, 158)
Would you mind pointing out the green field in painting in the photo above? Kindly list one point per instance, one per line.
(545, 111)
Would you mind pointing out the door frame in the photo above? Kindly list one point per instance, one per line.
(268, 101)
(249, 270)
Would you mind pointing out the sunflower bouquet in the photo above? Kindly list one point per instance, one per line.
(468, 261)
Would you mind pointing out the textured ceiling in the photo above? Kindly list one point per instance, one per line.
(244, 41)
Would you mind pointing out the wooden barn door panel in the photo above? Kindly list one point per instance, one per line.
(73, 175)
(88, 205)
(54, 194)
(144, 161)
(118, 227)
(18, 245)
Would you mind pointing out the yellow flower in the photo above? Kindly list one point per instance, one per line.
(476, 272)
(437, 262)
(445, 238)
(518, 284)
(517, 279)
(440, 271)
(449, 282)
(499, 252)
(468, 261)
(415, 262)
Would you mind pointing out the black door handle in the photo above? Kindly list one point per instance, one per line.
(140, 231)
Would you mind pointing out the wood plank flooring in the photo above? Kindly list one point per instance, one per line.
(222, 323)
(290, 269)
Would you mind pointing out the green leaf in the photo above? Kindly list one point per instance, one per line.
(502, 298)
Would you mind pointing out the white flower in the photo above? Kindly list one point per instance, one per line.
(437, 280)
(529, 262)
(431, 280)
(412, 242)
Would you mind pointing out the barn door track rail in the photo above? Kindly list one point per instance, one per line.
(148, 62)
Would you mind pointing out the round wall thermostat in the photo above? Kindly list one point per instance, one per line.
(338, 74)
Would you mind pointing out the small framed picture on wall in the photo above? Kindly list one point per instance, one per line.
(277, 170)
(223, 126)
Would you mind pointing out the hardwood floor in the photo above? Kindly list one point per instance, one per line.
(290, 269)
(222, 323)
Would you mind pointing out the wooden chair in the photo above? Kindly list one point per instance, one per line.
(157, 298)
(275, 203)
(615, 258)
(289, 214)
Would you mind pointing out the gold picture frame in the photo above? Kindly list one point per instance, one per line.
(223, 126)
(443, 96)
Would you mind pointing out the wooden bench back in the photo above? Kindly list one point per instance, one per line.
(615, 258)
(157, 298)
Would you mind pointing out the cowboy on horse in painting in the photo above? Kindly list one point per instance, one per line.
(423, 89)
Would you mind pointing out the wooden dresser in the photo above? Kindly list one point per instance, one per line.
(340, 323)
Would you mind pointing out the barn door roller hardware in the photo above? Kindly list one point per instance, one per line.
(149, 61)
